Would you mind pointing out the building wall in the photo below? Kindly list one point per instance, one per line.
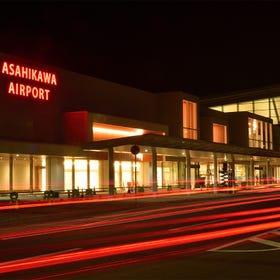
(170, 111)
(238, 129)
(80, 92)
(207, 118)
(29, 119)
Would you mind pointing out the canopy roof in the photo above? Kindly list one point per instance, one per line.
(152, 140)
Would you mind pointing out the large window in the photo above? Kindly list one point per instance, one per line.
(268, 107)
(189, 120)
(260, 134)
(219, 133)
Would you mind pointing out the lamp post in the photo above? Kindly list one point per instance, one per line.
(135, 150)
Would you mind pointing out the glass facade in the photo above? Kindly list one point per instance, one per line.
(267, 107)
(260, 134)
(25, 173)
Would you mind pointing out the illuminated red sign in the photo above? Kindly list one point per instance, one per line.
(26, 73)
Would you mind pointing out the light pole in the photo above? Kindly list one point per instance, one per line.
(135, 150)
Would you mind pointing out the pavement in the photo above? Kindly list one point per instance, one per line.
(31, 200)
(39, 196)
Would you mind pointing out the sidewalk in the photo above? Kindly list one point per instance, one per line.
(37, 199)
(39, 196)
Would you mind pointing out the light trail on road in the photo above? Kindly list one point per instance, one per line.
(42, 261)
(138, 216)
(145, 230)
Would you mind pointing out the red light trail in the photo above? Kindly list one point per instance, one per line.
(36, 262)
(54, 229)
(215, 226)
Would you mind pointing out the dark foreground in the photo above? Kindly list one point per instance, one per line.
(221, 236)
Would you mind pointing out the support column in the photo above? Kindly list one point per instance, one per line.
(154, 170)
(88, 174)
(73, 173)
(232, 179)
(188, 169)
(233, 169)
(251, 176)
(267, 177)
(11, 171)
(215, 171)
(48, 171)
(111, 171)
(31, 165)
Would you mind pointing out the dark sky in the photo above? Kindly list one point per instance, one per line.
(204, 48)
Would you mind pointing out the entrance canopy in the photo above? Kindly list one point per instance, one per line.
(152, 140)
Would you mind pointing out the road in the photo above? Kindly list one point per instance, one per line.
(219, 237)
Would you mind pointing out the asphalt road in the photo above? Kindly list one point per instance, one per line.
(203, 237)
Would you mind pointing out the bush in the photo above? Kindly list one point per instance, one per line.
(51, 194)
(89, 192)
(75, 193)
(14, 196)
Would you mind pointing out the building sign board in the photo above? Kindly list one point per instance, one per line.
(28, 82)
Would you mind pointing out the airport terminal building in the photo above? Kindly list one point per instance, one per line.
(62, 131)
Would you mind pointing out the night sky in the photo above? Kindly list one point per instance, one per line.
(204, 48)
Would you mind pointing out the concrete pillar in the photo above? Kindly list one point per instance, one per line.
(154, 169)
(11, 171)
(88, 174)
(31, 166)
(48, 172)
(188, 170)
(233, 169)
(267, 179)
(251, 176)
(111, 170)
(73, 173)
(215, 161)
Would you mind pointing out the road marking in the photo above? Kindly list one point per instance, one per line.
(256, 239)
(265, 242)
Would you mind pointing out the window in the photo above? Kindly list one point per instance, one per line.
(262, 107)
(189, 120)
(219, 133)
(230, 108)
(246, 106)
(260, 134)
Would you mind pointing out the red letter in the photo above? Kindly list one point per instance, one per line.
(11, 88)
(28, 90)
(40, 77)
(53, 82)
(34, 72)
(47, 93)
(18, 72)
(12, 70)
(47, 77)
(41, 93)
(5, 68)
(21, 89)
(35, 92)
